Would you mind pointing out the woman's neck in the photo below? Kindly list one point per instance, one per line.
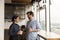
(15, 22)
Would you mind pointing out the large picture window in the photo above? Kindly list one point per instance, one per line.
(55, 16)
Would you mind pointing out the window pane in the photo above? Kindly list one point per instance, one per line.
(55, 16)
(42, 18)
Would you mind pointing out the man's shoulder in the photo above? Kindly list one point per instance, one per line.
(35, 21)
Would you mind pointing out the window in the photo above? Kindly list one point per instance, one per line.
(42, 12)
(55, 16)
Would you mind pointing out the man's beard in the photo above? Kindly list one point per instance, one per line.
(29, 18)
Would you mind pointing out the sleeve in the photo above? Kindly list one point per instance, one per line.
(16, 29)
(38, 26)
(11, 30)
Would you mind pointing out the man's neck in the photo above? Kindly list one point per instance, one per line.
(31, 19)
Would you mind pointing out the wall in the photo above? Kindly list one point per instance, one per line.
(14, 10)
(1, 19)
(7, 1)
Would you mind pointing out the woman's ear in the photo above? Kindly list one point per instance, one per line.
(14, 19)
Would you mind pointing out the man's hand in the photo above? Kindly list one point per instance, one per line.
(30, 30)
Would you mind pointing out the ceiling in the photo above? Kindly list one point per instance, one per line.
(21, 1)
(18, 1)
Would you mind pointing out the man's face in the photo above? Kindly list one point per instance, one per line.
(29, 16)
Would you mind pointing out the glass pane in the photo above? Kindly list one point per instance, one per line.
(39, 12)
(42, 14)
(55, 16)
(42, 18)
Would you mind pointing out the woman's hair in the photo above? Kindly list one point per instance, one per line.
(14, 17)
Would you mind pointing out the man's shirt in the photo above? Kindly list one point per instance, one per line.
(34, 24)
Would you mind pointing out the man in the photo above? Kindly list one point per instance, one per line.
(32, 27)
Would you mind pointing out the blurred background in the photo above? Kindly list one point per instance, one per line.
(20, 7)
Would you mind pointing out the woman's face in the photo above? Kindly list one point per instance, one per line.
(17, 19)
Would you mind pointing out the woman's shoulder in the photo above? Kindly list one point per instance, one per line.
(13, 24)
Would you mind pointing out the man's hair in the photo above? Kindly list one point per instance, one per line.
(31, 13)
(14, 17)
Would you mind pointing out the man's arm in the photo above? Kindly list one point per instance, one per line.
(38, 28)
(31, 30)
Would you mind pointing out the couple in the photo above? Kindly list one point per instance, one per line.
(32, 27)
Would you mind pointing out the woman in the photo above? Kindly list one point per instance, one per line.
(14, 28)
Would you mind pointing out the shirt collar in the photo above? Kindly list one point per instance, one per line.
(32, 19)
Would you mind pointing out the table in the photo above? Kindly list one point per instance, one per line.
(48, 36)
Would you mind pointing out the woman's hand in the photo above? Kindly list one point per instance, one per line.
(20, 32)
